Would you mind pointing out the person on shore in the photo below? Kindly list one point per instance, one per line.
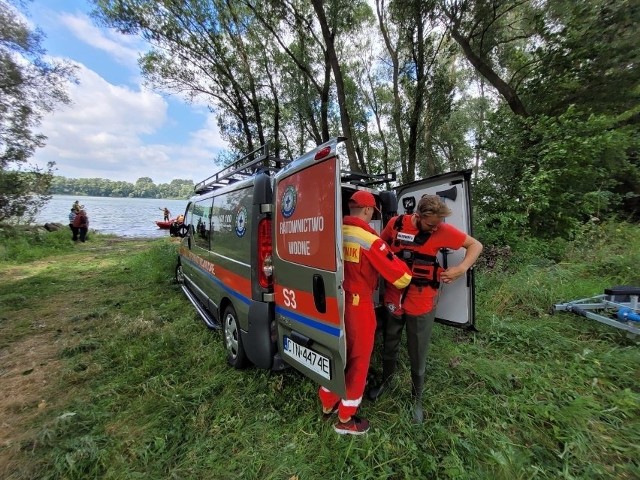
(366, 256)
(72, 216)
(81, 225)
(417, 239)
(174, 228)
(166, 213)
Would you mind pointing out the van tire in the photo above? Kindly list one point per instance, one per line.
(232, 338)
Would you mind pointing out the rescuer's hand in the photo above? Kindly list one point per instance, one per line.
(451, 274)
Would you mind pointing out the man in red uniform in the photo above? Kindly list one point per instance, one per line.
(365, 255)
(416, 239)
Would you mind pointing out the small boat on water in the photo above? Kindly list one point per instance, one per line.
(175, 226)
(165, 224)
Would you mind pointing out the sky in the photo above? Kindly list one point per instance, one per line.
(115, 128)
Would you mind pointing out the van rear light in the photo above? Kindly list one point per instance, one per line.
(265, 249)
(322, 153)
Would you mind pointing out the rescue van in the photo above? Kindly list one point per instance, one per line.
(261, 257)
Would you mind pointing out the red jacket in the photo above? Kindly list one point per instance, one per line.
(419, 300)
(366, 256)
(81, 220)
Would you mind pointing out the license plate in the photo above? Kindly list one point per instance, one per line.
(307, 357)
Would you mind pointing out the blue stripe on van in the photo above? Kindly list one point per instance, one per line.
(309, 322)
(287, 313)
(227, 289)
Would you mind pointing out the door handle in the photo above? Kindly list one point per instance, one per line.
(319, 294)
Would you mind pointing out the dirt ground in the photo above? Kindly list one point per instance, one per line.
(27, 370)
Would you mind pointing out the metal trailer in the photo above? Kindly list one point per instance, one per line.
(617, 307)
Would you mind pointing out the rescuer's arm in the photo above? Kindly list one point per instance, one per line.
(474, 248)
(392, 269)
(387, 233)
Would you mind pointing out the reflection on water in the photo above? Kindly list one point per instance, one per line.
(125, 217)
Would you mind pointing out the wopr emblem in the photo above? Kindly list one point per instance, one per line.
(289, 199)
(241, 221)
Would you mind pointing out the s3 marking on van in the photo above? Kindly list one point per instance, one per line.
(261, 257)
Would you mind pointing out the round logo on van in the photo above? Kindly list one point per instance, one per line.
(289, 199)
(241, 221)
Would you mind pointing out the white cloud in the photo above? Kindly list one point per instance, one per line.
(120, 131)
(125, 49)
(102, 134)
(208, 137)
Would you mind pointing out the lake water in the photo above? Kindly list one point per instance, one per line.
(125, 217)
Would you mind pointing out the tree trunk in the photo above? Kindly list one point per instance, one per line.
(417, 107)
(345, 119)
(507, 92)
(396, 110)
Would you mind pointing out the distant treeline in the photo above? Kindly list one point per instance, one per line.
(101, 187)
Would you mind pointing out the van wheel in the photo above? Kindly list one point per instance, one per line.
(179, 274)
(236, 356)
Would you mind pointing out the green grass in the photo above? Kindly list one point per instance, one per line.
(141, 388)
(15, 246)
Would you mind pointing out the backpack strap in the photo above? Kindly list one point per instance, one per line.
(397, 225)
(419, 239)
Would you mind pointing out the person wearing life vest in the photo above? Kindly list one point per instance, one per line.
(416, 239)
(81, 225)
(365, 256)
(174, 228)
(165, 213)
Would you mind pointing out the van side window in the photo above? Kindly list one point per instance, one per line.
(202, 223)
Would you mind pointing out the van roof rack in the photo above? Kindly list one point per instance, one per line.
(246, 166)
(366, 179)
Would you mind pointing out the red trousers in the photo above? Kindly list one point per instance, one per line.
(360, 329)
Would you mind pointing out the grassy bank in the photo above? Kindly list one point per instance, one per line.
(106, 372)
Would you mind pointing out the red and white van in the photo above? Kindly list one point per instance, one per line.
(262, 256)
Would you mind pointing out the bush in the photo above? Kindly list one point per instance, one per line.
(605, 255)
(546, 176)
(22, 244)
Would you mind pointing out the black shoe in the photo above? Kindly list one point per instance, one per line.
(377, 390)
(417, 385)
(418, 414)
(388, 370)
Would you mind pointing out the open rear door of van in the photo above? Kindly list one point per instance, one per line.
(456, 302)
(308, 268)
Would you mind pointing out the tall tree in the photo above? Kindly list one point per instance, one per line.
(200, 49)
(329, 31)
(415, 51)
(485, 29)
(590, 58)
(304, 64)
(299, 71)
(30, 86)
(574, 155)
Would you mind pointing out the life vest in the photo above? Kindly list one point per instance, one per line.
(425, 269)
